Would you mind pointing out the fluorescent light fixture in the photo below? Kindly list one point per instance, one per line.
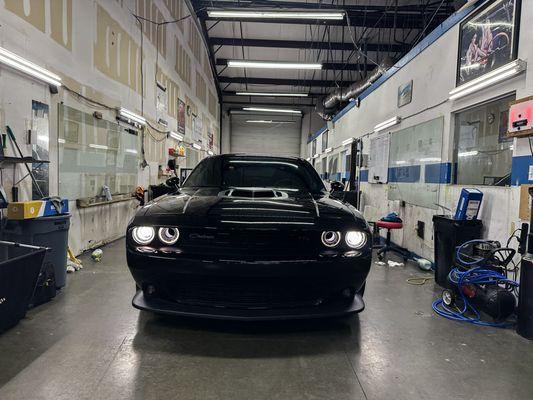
(21, 64)
(196, 146)
(131, 151)
(209, 152)
(176, 135)
(328, 150)
(348, 141)
(490, 78)
(267, 121)
(468, 153)
(272, 64)
(387, 124)
(60, 140)
(272, 110)
(430, 159)
(401, 162)
(275, 14)
(123, 112)
(98, 146)
(270, 94)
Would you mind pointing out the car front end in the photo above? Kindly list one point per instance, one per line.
(267, 269)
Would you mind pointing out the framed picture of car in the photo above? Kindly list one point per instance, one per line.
(405, 93)
(488, 39)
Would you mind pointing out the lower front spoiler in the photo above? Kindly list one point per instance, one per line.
(160, 306)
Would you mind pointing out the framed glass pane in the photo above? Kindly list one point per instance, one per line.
(483, 153)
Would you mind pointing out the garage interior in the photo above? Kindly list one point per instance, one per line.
(414, 116)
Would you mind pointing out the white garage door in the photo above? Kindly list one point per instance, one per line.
(280, 139)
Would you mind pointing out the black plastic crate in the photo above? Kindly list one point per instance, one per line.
(20, 266)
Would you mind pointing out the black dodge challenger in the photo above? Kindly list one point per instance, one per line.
(249, 238)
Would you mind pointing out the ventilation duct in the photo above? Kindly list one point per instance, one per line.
(333, 102)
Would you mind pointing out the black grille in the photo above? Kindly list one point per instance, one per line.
(245, 243)
(245, 293)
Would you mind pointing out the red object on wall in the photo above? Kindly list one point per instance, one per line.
(521, 117)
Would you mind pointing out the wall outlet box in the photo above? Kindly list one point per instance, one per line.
(420, 228)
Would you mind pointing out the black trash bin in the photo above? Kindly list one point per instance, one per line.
(448, 234)
(50, 232)
(19, 268)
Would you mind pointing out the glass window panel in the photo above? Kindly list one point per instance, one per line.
(482, 151)
(94, 153)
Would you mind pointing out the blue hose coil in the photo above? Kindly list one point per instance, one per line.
(474, 276)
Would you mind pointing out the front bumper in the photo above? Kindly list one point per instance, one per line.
(188, 285)
(160, 306)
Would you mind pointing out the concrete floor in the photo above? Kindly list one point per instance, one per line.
(89, 343)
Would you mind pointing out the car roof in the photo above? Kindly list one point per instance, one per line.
(258, 156)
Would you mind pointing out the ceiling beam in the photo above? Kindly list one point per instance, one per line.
(283, 82)
(296, 44)
(338, 66)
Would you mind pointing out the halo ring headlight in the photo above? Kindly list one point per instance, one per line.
(331, 238)
(143, 234)
(355, 239)
(168, 235)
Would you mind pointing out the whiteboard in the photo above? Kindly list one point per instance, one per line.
(378, 159)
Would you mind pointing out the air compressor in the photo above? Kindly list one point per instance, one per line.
(483, 280)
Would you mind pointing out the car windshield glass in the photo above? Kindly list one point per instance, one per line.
(275, 173)
(206, 173)
(269, 173)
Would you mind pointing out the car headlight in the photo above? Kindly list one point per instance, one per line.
(331, 238)
(143, 234)
(168, 235)
(355, 239)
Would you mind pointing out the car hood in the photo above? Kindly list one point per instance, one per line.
(211, 206)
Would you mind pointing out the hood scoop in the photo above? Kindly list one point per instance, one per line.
(254, 193)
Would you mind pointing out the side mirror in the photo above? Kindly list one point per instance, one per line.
(173, 182)
(337, 186)
(171, 164)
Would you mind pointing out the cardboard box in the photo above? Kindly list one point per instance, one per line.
(34, 209)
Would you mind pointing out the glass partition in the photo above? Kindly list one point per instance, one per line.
(93, 153)
(416, 167)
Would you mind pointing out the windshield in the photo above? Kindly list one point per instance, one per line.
(265, 172)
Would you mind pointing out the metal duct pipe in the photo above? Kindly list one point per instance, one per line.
(333, 102)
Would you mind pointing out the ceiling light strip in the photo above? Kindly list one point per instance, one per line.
(21, 64)
(387, 124)
(272, 110)
(267, 94)
(498, 75)
(253, 14)
(272, 64)
(125, 113)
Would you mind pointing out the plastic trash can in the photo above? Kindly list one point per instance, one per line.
(19, 269)
(51, 232)
(448, 234)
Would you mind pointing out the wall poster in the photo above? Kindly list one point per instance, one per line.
(40, 150)
(405, 93)
(181, 117)
(488, 39)
(161, 104)
(197, 129)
